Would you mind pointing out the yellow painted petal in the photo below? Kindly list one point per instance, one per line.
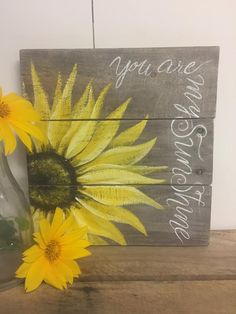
(80, 111)
(103, 134)
(82, 137)
(57, 129)
(36, 274)
(83, 134)
(125, 155)
(40, 98)
(96, 240)
(79, 107)
(129, 136)
(116, 176)
(114, 213)
(41, 104)
(22, 271)
(136, 169)
(118, 195)
(57, 93)
(98, 226)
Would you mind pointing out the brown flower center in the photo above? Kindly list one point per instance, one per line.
(4, 110)
(52, 251)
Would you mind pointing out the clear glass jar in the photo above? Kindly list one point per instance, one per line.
(15, 224)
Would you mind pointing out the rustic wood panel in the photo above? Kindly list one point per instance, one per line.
(156, 78)
(173, 89)
(184, 220)
(185, 147)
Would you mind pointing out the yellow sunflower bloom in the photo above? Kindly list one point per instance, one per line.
(16, 116)
(88, 167)
(52, 259)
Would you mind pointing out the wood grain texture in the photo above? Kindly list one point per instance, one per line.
(185, 76)
(184, 221)
(205, 297)
(174, 90)
(185, 147)
(200, 280)
(214, 262)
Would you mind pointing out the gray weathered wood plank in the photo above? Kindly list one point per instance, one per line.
(175, 89)
(184, 221)
(185, 147)
(156, 78)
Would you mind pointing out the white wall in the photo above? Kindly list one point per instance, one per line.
(135, 23)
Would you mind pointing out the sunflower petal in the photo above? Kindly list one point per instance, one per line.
(74, 236)
(65, 271)
(28, 128)
(32, 254)
(7, 136)
(98, 226)
(116, 176)
(86, 128)
(74, 267)
(79, 107)
(114, 213)
(83, 134)
(137, 169)
(118, 195)
(124, 155)
(80, 111)
(40, 98)
(22, 271)
(129, 136)
(96, 240)
(57, 93)
(52, 278)
(36, 274)
(103, 134)
(45, 229)
(57, 220)
(57, 129)
(24, 137)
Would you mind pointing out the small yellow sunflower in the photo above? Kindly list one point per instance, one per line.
(16, 116)
(52, 258)
(87, 166)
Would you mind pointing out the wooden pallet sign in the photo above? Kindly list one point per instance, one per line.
(129, 140)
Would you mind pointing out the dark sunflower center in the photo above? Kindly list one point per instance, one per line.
(52, 181)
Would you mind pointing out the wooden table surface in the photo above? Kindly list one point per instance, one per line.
(160, 280)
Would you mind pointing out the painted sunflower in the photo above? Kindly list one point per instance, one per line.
(87, 167)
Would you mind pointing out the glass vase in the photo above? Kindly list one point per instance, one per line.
(15, 224)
